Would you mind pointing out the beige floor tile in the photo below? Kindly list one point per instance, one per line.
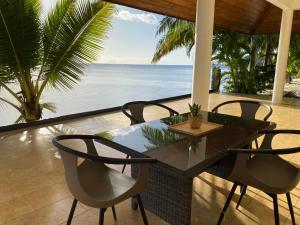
(55, 213)
(33, 190)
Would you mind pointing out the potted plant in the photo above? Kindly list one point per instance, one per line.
(196, 117)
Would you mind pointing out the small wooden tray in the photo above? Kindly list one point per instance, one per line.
(185, 128)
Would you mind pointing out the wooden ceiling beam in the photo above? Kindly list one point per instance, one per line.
(261, 18)
(252, 17)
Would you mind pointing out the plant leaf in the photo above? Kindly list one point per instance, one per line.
(175, 34)
(49, 106)
(12, 104)
(19, 35)
(77, 41)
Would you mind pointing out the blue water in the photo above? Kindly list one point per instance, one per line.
(108, 85)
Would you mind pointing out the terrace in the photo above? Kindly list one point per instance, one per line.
(33, 189)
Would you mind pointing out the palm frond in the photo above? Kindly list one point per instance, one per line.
(52, 27)
(12, 104)
(4, 85)
(166, 24)
(6, 74)
(19, 34)
(176, 34)
(20, 119)
(49, 106)
(77, 42)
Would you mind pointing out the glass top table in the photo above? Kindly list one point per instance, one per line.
(180, 157)
(183, 152)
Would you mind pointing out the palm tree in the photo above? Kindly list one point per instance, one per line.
(38, 51)
(230, 49)
(248, 58)
(175, 33)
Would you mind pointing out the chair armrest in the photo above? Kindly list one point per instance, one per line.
(270, 109)
(279, 132)
(281, 151)
(95, 157)
(172, 111)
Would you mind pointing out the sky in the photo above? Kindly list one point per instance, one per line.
(132, 40)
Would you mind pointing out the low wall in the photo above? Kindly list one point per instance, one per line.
(78, 115)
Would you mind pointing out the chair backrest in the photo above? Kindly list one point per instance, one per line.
(79, 176)
(136, 110)
(247, 157)
(248, 108)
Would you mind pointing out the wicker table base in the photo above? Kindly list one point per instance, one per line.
(168, 196)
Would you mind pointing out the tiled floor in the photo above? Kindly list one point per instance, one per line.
(33, 191)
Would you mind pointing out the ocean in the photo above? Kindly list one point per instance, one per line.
(108, 85)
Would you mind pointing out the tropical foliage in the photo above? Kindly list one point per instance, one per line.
(38, 51)
(175, 33)
(294, 56)
(250, 59)
(195, 109)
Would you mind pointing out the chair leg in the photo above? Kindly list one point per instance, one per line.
(101, 216)
(276, 211)
(289, 200)
(141, 206)
(72, 211)
(127, 156)
(114, 212)
(227, 203)
(243, 192)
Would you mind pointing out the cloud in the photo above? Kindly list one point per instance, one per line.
(137, 17)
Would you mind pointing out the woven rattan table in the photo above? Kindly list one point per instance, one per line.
(180, 157)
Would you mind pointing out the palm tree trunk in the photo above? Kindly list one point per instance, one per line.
(268, 50)
(33, 111)
(253, 49)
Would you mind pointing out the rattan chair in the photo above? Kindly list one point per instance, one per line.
(265, 170)
(136, 113)
(95, 184)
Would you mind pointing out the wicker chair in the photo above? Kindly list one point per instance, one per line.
(265, 170)
(95, 184)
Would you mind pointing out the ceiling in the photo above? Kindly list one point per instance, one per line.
(246, 16)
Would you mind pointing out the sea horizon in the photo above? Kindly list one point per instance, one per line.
(140, 64)
(107, 85)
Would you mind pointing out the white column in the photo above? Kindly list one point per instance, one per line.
(203, 51)
(282, 55)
